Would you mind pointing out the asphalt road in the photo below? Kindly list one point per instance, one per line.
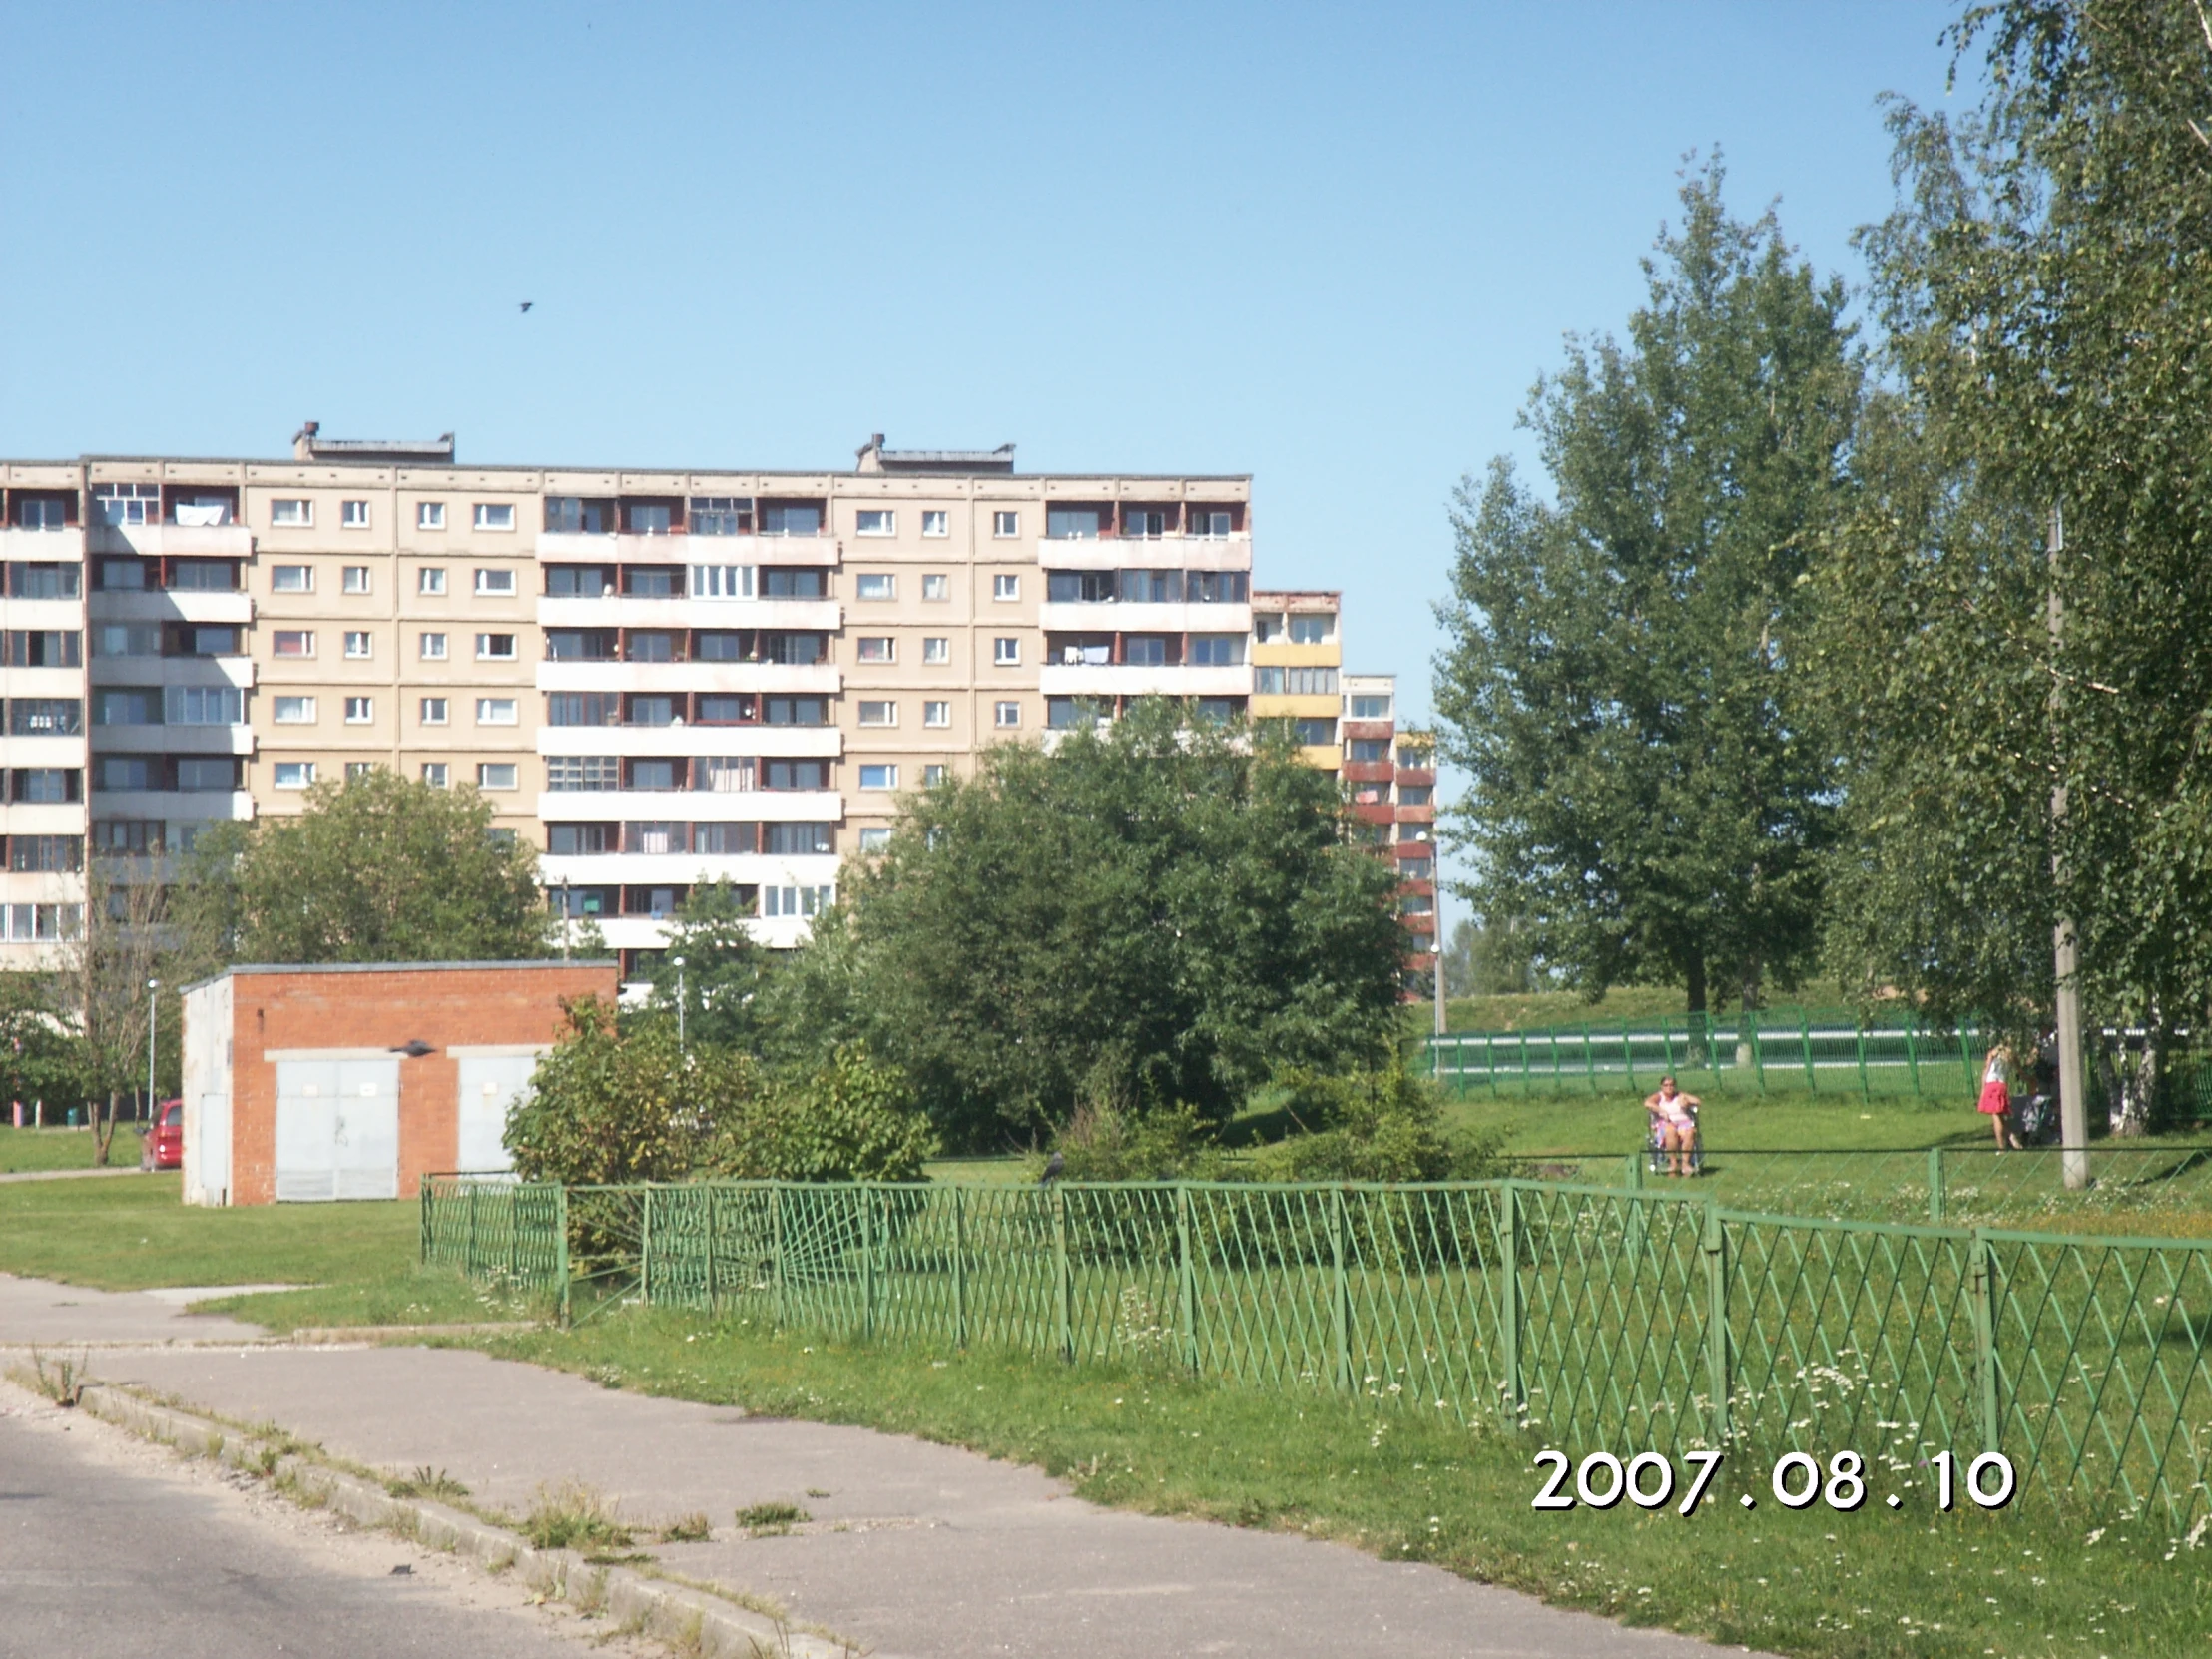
(110, 1549)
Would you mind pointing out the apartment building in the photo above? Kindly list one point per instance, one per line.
(1391, 775)
(660, 678)
(1296, 657)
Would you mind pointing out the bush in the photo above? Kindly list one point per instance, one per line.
(850, 1120)
(1369, 1126)
(1109, 1143)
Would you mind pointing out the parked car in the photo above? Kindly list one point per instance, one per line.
(165, 1138)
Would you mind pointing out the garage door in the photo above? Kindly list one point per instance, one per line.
(337, 1129)
(491, 1085)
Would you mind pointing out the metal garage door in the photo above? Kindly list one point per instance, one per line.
(337, 1129)
(491, 1086)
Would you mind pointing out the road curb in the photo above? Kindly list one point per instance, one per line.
(690, 1620)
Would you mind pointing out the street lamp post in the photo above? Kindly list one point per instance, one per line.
(152, 1006)
(678, 961)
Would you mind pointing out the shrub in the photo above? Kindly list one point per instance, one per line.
(1369, 1126)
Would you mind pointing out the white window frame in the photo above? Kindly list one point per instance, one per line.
(431, 581)
(1007, 715)
(429, 515)
(937, 713)
(889, 770)
(879, 711)
(279, 575)
(353, 515)
(484, 652)
(305, 635)
(1006, 651)
(936, 774)
(886, 522)
(935, 522)
(292, 512)
(485, 517)
(1006, 524)
(936, 648)
(884, 579)
(435, 774)
(302, 774)
(936, 588)
(360, 643)
(433, 711)
(357, 579)
(1005, 588)
(488, 711)
(876, 838)
(301, 711)
(887, 642)
(722, 581)
(430, 647)
(367, 711)
(486, 781)
(487, 582)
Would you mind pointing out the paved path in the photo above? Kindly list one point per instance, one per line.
(69, 1174)
(110, 1550)
(916, 1550)
(39, 1311)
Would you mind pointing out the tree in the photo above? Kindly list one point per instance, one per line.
(1493, 958)
(377, 869)
(1155, 914)
(1619, 678)
(103, 992)
(2046, 284)
(723, 971)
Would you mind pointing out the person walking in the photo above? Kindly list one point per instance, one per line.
(1997, 1096)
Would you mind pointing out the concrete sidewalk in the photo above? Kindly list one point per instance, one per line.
(911, 1548)
(37, 1310)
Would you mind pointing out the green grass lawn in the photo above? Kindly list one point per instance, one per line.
(1405, 1486)
(42, 1149)
(132, 1234)
(1617, 1123)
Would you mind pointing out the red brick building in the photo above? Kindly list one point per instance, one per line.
(354, 1081)
(1391, 775)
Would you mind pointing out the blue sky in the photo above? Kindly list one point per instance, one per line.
(1328, 245)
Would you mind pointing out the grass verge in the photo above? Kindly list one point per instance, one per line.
(23, 1150)
(1408, 1486)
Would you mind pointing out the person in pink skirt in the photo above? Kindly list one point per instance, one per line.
(1997, 1096)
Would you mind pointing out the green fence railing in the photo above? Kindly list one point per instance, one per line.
(1603, 1318)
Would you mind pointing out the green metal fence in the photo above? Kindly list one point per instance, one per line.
(1616, 1317)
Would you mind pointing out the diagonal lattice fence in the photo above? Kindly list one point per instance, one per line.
(1617, 1318)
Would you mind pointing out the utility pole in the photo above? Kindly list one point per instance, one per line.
(153, 1015)
(678, 961)
(1437, 960)
(2073, 1100)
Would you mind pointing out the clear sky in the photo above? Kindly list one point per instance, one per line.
(1327, 245)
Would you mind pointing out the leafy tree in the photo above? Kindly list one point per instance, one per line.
(1493, 958)
(2046, 283)
(1384, 1125)
(1154, 914)
(850, 1119)
(724, 972)
(101, 989)
(377, 869)
(38, 1059)
(1619, 676)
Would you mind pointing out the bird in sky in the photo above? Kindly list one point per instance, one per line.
(526, 304)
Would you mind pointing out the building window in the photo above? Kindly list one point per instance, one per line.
(874, 838)
(360, 711)
(583, 772)
(796, 774)
(933, 776)
(796, 841)
(1005, 652)
(434, 774)
(495, 775)
(1367, 751)
(357, 643)
(1071, 523)
(291, 642)
(291, 578)
(582, 708)
(1369, 708)
(1145, 649)
(495, 711)
(291, 515)
(936, 649)
(294, 775)
(353, 515)
(124, 504)
(1313, 733)
(1005, 714)
(877, 521)
(62, 647)
(433, 711)
(878, 713)
(111, 708)
(725, 840)
(1005, 526)
(495, 515)
(880, 777)
(499, 583)
(878, 586)
(292, 711)
(1217, 650)
(795, 901)
(720, 581)
(792, 521)
(937, 713)
(876, 647)
(122, 575)
(355, 579)
(432, 648)
(202, 705)
(721, 515)
(1269, 680)
(1209, 526)
(431, 580)
(935, 521)
(1312, 630)
(495, 648)
(1005, 587)
(358, 768)
(936, 587)
(429, 515)
(59, 854)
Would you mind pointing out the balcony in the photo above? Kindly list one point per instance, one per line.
(44, 751)
(1149, 553)
(765, 742)
(569, 546)
(171, 740)
(170, 541)
(645, 869)
(171, 671)
(1367, 772)
(692, 806)
(1369, 731)
(1104, 680)
(170, 605)
(193, 805)
(1418, 776)
(1113, 615)
(804, 616)
(824, 678)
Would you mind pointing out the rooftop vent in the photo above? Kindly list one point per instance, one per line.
(875, 458)
(309, 445)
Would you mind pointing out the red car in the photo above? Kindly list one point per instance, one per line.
(165, 1138)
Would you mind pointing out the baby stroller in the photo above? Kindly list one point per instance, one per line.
(1655, 1146)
